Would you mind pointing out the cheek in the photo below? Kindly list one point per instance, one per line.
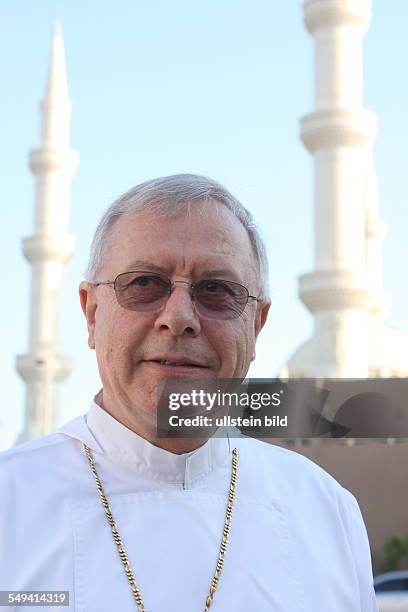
(234, 343)
(245, 346)
(116, 340)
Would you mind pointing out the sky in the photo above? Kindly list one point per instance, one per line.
(215, 88)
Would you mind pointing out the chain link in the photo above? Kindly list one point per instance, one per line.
(121, 549)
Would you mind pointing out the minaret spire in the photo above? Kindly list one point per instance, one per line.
(340, 134)
(56, 105)
(57, 84)
(48, 249)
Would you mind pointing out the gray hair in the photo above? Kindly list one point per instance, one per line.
(169, 196)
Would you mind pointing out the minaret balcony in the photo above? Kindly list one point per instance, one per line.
(325, 290)
(48, 159)
(43, 366)
(319, 14)
(338, 128)
(49, 247)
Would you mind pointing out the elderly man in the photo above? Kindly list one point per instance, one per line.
(177, 286)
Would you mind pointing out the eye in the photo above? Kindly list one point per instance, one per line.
(214, 287)
(146, 281)
(141, 286)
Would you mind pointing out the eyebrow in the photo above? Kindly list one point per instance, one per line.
(139, 264)
(147, 266)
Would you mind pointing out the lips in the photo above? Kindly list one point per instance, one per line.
(178, 365)
(178, 361)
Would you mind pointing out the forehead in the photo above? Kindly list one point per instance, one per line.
(203, 238)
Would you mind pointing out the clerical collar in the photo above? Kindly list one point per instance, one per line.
(125, 446)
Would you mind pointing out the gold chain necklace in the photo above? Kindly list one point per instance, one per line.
(121, 549)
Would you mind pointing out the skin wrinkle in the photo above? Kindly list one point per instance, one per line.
(123, 339)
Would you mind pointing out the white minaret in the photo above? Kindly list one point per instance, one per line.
(48, 249)
(340, 134)
(345, 291)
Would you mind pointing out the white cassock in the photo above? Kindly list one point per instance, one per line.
(297, 542)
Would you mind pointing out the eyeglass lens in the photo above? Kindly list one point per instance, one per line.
(215, 299)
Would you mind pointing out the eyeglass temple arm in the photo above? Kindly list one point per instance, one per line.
(103, 283)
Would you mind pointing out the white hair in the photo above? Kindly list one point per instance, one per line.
(169, 196)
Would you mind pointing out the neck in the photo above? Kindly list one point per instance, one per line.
(178, 446)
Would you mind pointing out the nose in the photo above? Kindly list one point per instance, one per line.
(178, 314)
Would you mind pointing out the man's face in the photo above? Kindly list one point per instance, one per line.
(210, 242)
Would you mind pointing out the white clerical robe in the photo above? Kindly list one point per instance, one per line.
(297, 541)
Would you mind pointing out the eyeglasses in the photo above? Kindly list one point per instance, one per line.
(147, 292)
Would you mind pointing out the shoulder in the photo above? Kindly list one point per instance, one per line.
(28, 450)
(291, 465)
(289, 476)
(35, 474)
(43, 455)
(28, 463)
(303, 489)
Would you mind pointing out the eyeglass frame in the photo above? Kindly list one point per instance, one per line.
(171, 285)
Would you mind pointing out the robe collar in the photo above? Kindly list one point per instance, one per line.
(103, 433)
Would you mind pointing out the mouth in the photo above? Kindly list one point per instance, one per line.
(180, 366)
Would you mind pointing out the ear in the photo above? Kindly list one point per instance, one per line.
(261, 317)
(87, 298)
